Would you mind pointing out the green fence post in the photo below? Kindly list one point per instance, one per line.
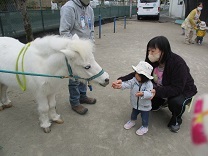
(118, 11)
(41, 11)
(1, 25)
(110, 10)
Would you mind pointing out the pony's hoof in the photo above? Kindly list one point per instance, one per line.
(7, 106)
(59, 121)
(47, 130)
(1, 108)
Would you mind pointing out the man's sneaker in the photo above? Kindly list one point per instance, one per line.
(129, 124)
(142, 130)
(88, 100)
(80, 109)
(174, 128)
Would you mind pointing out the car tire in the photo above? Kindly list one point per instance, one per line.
(157, 17)
(138, 17)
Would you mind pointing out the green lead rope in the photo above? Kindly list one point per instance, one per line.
(22, 83)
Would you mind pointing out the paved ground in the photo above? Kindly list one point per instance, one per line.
(100, 132)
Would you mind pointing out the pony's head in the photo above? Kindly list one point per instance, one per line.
(79, 53)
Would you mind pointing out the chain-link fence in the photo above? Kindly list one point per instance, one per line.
(43, 15)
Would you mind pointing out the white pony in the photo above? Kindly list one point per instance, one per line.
(49, 56)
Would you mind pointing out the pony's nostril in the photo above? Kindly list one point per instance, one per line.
(106, 80)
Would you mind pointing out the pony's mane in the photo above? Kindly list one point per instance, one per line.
(50, 44)
(84, 47)
(54, 43)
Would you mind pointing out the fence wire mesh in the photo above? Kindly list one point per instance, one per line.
(45, 15)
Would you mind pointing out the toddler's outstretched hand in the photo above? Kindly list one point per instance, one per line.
(117, 84)
(139, 94)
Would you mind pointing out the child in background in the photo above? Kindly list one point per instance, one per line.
(140, 95)
(201, 32)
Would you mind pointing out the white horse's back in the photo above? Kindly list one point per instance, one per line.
(9, 47)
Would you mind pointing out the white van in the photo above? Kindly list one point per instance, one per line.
(148, 8)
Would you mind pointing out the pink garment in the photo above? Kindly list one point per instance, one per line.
(158, 74)
(198, 133)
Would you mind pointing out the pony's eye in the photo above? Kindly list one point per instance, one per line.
(87, 67)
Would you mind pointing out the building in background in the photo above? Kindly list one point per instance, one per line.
(177, 9)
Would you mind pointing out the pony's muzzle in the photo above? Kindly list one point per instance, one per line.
(106, 82)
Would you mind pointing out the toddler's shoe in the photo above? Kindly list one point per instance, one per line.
(142, 130)
(129, 124)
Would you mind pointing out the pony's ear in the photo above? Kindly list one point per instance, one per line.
(71, 54)
(75, 36)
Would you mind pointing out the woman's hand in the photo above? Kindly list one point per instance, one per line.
(153, 91)
(117, 84)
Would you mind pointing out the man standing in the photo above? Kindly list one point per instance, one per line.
(77, 17)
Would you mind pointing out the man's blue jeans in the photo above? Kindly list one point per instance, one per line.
(77, 91)
(144, 115)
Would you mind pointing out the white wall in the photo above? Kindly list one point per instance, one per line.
(176, 10)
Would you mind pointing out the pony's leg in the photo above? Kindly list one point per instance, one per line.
(5, 102)
(43, 109)
(52, 110)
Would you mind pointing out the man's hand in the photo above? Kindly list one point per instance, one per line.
(117, 84)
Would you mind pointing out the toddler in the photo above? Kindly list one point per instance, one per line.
(201, 32)
(140, 95)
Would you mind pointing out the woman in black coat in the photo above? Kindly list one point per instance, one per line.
(173, 83)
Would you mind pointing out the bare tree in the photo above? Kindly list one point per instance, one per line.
(102, 2)
(21, 5)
